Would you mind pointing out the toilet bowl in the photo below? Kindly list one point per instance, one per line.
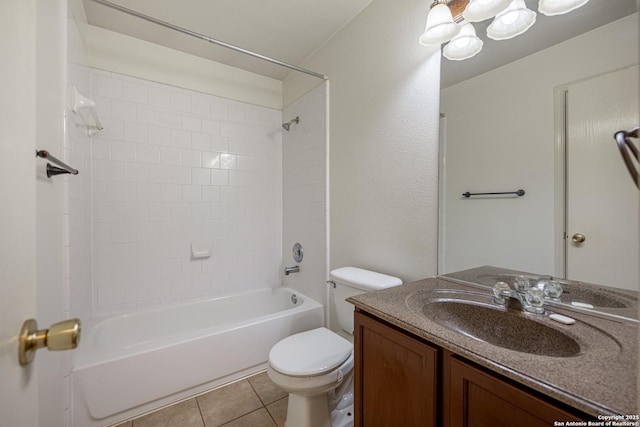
(309, 365)
(316, 367)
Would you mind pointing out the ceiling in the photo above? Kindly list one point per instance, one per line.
(292, 30)
(546, 32)
(287, 30)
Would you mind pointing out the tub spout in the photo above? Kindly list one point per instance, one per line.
(289, 270)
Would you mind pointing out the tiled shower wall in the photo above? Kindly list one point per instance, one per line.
(174, 168)
(305, 188)
(78, 154)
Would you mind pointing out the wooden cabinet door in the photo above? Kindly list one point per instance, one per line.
(395, 377)
(479, 399)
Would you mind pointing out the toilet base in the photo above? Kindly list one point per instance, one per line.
(308, 411)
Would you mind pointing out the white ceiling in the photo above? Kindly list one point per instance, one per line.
(287, 30)
(292, 30)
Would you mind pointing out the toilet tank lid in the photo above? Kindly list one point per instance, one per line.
(363, 279)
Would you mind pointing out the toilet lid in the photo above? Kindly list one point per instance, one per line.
(310, 353)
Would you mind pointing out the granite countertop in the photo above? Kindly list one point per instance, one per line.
(600, 380)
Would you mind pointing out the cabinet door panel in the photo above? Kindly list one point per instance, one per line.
(395, 376)
(479, 399)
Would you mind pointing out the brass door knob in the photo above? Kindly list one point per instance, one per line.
(60, 336)
(578, 238)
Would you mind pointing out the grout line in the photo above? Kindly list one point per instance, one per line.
(200, 411)
(269, 412)
(264, 405)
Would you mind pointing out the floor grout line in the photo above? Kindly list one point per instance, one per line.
(263, 405)
(200, 411)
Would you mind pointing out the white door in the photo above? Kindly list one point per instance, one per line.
(18, 385)
(602, 200)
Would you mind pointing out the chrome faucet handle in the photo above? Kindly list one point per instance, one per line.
(553, 289)
(534, 299)
(521, 284)
(499, 291)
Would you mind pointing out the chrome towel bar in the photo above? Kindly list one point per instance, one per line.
(518, 193)
(53, 170)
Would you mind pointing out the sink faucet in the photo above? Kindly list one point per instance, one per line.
(289, 270)
(531, 300)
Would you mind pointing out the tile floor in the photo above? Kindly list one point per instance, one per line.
(251, 402)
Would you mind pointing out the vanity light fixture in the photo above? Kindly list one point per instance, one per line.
(511, 22)
(451, 20)
(440, 26)
(463, 46)
(559, 7)
(479, 10)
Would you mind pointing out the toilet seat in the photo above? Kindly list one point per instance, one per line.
(311, 353)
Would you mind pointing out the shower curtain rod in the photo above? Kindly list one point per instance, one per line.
(209, 39)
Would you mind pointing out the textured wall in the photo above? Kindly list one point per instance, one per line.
(384, 107)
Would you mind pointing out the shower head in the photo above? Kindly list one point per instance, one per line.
(287, 125)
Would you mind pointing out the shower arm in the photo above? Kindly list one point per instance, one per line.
(209, 39)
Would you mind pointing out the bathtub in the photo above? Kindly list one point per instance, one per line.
(130, 364)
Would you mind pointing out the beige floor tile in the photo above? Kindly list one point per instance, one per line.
(267, 391)
(259, 418)
(228, 403)
(125, 424)
(183, 414)
(278, 411)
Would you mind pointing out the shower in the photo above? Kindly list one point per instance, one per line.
(287, 125)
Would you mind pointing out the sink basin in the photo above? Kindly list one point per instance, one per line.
(503, 328)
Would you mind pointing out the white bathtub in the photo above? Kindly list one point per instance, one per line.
(130, 364)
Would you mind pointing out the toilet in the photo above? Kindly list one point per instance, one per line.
(316, 367)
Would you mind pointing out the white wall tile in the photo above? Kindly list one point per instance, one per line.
(200, 141)
(134, 92)
(121, 110)
(180, 138)
(180, 102)
(211, 160)
(219, 109)
(211, 127)
(201, 176)
(191, 123)
(159, 97)
(170, 156)
(200, 106)
(148, 116)
(191, 158)
(136, 132)
(219, 177)
(107, 87)
(161, 180)
(219, 143)
(148, 153)
(159, 135)
(180, 175)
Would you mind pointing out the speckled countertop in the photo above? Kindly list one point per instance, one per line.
(599, 380)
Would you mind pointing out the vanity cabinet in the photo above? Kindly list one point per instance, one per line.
(395, 382)
(478, 398)
(402, 380)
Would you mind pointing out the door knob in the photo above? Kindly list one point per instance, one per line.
(60, 336)
(578, 238)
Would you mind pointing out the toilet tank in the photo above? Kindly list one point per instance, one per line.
(350, 281)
